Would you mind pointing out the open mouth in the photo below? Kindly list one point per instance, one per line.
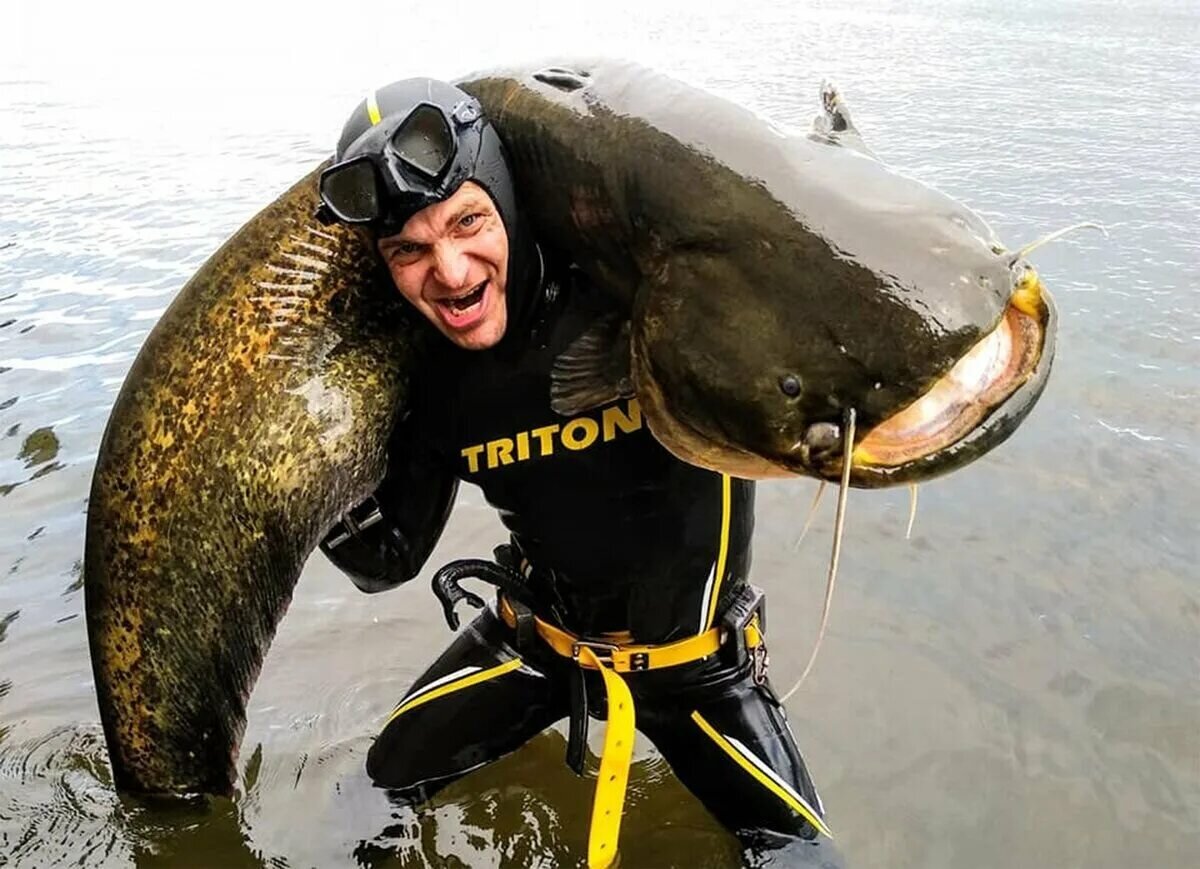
(979, 383)
(464, 310)
(464, 303)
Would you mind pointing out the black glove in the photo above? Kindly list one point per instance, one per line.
(370, 549)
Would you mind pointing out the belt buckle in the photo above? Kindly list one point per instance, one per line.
(597, 648)
(526, 624)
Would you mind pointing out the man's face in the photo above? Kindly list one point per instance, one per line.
(451, 262)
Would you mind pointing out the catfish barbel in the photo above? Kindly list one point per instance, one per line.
(776, 287)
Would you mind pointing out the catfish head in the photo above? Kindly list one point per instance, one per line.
(828, 283)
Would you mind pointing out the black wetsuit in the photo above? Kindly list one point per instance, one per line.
(621, 536)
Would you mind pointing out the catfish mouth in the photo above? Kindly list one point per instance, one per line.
(971, 408)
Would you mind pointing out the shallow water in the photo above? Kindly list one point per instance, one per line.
(1016, 685)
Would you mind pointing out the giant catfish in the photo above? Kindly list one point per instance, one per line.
(772, 282)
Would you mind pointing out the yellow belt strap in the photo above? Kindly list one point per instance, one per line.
(609, 802)
(627, 657)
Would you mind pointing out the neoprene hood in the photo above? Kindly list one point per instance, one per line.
(413, 143)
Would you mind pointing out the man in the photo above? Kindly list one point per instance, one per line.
(624, 585)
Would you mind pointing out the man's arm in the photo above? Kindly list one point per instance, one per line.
(385, 540)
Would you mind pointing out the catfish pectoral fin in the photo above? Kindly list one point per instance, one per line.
(594, 370)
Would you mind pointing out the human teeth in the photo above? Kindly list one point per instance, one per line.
(467, 300)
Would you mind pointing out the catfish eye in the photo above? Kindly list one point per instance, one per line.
(789, 384)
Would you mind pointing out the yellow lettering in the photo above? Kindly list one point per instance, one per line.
(545, 437)
(580, 433)
(499, 452)
(629, 420)
(577, 434)
(471, 454)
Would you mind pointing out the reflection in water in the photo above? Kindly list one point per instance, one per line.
(6, 488)
(40, 446)
(178, 832)
(6, 621)
(5, 687)
(529, 809)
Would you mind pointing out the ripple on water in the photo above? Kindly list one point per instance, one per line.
(58, 807)
(57, 804)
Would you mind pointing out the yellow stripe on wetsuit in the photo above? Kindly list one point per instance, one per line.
(722, 552)
(457, 685)
(793, 800)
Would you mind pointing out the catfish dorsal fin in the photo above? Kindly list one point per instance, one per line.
(594, 369)
(834, 124)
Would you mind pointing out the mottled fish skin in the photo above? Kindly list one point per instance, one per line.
(746, 254)
(257, 410)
